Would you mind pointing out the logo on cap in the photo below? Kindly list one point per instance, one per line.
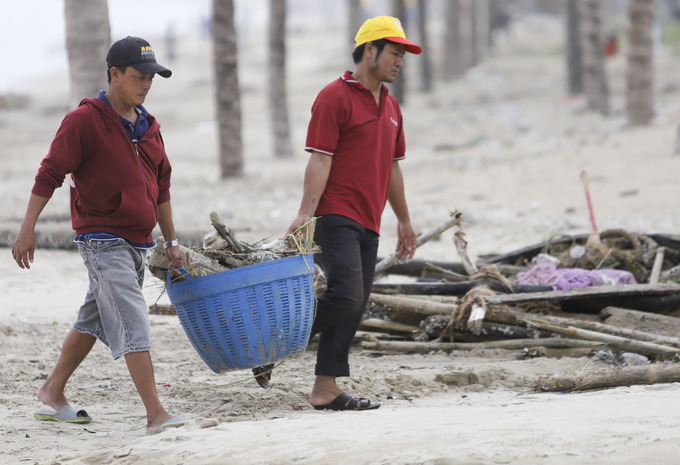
(147, 53)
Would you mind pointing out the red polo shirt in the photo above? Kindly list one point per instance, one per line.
(364, 140)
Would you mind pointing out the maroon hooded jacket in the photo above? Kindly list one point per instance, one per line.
(116, 186)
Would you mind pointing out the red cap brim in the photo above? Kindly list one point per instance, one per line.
(410, 46)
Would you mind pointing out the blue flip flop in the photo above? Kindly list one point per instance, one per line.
(66, 414)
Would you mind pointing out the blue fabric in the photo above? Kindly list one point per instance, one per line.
(134, 131)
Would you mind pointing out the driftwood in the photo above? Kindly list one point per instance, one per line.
(660, 324)
(461, 247)
(626, 290)
(196, 263)
(454, 289)
(419, 268)
(432, 272)
(438, 327)
(648, 348)
(613, 330)
(511, 328)
(610, 377)
(512, 344)
(225, 234)
(415, 267)
(656, 268)
(420, 308)
(388, 325)
(454, 219)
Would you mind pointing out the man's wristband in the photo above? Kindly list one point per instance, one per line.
(172, 243)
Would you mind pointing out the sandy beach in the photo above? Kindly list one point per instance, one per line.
(505, 145)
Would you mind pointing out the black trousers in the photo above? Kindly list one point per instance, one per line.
(348, 255)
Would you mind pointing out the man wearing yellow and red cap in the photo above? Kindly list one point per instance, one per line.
(356, 139)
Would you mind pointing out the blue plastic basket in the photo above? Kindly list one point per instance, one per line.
(248, 316)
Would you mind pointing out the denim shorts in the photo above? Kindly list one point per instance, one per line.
(114, 310)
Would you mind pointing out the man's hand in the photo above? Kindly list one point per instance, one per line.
(24, 248)
(406, 240)
(175, 258)
(297, 223)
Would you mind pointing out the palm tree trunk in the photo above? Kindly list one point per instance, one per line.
(574, 79)
(227, 89)
(354, 23)
(278, 100)
(88, 38)
(640, 75)
(425, 67)
(398, 87)
(453, 38)
(592, 56)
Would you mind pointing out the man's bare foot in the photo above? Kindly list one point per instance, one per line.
(47, 397)
(324, 390)
(156, 425)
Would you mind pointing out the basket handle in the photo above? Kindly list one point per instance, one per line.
(185, 274)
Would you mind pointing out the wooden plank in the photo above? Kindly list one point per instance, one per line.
(456, 289)
(582, 293)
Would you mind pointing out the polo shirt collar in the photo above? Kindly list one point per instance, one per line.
(349, 79)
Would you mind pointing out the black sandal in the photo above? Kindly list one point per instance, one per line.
(346, 402)
(263, 374)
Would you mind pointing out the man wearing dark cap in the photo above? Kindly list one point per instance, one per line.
(356, 139)
(119, 184)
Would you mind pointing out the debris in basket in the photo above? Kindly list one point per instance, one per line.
(223, 251)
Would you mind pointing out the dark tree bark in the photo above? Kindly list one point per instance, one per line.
(640, 74)
(278, 97)
(88, 38)
(227, 89)
(425, 67)
(574, 80)
(453, 38)
(398, 87)
(592, 56)
(355, 21)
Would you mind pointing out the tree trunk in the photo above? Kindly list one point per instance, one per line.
(640, 75)
(592, 55)
(453, 38)
(574, 80)
(480, 34)
(354, 23)
(499, 21)
(398, 87)
(227, 89)
(88, 38)
(278, 98)
(425, 67)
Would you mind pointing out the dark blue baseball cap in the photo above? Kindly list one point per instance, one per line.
(135, 52)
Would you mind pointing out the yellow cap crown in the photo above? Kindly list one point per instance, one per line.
(384, 27)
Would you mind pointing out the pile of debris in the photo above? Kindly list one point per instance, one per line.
(550, 299)
(221, 251)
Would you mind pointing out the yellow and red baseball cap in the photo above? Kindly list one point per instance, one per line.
(384, 27)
